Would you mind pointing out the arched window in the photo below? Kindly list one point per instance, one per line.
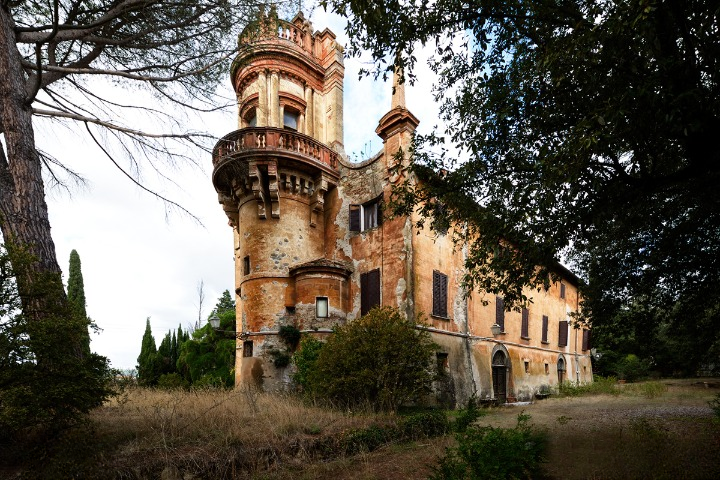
(290, 118)
(250, 117)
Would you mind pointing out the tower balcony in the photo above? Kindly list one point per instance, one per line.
(277, 142)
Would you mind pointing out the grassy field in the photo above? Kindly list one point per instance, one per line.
(652, 430)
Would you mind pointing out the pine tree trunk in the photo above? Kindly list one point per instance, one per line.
(23, 211)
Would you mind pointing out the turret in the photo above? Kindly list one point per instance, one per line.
(272, 176)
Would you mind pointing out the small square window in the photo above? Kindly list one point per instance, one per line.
(366, 216)
(247, 348)
(321, 307)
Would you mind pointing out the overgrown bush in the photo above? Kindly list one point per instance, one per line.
(494, 453)
(304, 360)
(172, 381)
(632, 368)
(380, 360)
(715, 405)
(600, 385)
(468, 415)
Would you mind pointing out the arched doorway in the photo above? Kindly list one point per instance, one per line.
(561, 370)
(499, 376)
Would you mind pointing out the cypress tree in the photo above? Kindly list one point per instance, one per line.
(147, 361)
(76, 295)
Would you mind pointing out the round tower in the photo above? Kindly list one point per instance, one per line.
(272, 176)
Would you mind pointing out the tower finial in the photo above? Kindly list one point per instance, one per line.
(398, 92)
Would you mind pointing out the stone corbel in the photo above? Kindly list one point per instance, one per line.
(273, 190)
(317, 201)
(230, 207)
(257, 190)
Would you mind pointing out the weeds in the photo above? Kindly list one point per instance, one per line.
(647, 389)
(494, 453)
(715, 406)
(600, 385)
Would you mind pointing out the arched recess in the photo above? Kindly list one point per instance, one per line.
(500, 362)
(561, 368)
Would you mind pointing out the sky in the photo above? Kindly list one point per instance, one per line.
(141, 259)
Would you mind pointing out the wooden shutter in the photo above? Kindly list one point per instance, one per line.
(500, 312)
(525, 327)
(354, 218)
(586, 340)
(562, 290)
(545, 328)
(563, 334)
(369, 290)
(439, 294)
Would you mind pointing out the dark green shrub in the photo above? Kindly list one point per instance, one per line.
(494, 453)
(368, 439)
(304, 360)
(172, 381)
(715, 405)
(632, 368)
(290, 335)
(280, 359)
(380, 360)
(427, 424)
(468, 415)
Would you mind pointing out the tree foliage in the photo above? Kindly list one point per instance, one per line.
(584, 129)
(208, 358)
(76, 293)
(148, 365)
(45, 382)
(380, 360)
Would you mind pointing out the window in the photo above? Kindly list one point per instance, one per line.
(561, 370)
(439, 297)
(525, 326)
(366, 216)
(247, 348)
(586, 340)
(246, 265)
(563, 334)
(500, 312)
(251, 117)
(527, 366)
(562, 290)
(369, 290)
(442, 363)
(321, 307)
(547, 369)
(545, 329)
(290, 119)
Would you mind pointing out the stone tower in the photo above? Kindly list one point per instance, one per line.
(272, 176)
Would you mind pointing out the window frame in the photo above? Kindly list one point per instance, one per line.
(563, 333)
(360, 215)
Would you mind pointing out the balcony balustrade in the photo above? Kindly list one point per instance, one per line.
(273, 141)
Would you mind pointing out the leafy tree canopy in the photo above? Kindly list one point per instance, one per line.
(586, 130)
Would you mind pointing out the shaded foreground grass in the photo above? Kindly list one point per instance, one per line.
(662, 430)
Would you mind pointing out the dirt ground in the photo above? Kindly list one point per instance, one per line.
(627, 436)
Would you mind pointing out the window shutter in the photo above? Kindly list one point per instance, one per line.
(562, 290)
(354, 218)
(586, 340)
(500, 312)
(369, 290)
(439, 294)
(379, 203)
(545, 328)
(563, 334)
(525, 327)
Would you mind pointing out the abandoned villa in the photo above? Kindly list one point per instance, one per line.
(312, 248)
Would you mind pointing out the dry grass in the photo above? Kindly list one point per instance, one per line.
(654, 430)
(218, 433)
